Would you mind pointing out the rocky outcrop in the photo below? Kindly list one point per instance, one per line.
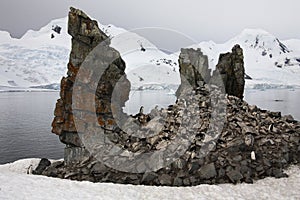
(228, 75)
(193, 68)
(43, 164)
(86, 37)
(232, 72)
(206, 137)
(250, 144)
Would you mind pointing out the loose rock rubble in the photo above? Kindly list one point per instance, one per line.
(252, 144)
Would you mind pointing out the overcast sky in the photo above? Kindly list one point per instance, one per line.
(217, 20)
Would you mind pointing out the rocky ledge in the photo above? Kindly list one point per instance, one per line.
(207, 136)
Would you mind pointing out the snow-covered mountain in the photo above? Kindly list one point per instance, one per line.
(40, 58)
(146, 65)
(270, 63)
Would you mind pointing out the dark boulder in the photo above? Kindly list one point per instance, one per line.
(43, 164)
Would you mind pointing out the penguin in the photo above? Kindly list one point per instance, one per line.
(154, 112)
(141, 117)
(141, 112)
(29, 169)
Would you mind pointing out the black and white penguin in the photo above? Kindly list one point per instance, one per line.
(141, 112)
(141, 117)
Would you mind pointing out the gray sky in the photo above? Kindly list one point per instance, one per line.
(217, 20)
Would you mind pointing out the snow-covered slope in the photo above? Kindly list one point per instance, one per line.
(4, 37)
(16, 184)
(268, 61)
(40, 58)
(146, 65)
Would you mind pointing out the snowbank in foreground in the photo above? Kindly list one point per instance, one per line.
(16, 184)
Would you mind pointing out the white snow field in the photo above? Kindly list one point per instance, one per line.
(15, 183)
(35, 59)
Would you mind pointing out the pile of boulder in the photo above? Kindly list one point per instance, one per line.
(209, 135)
(252, 144)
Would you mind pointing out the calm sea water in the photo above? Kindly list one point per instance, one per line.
(25, 118)
(284, 100)
(25, 126)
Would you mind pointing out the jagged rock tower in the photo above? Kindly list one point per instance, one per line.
(232, 72)
(228, 75)
(86, 36)
(193, 69)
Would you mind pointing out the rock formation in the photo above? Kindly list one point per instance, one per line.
(228, 75)
(252, 144)
(231, 69)
(86, 36)
(193, 69)
(214, 137)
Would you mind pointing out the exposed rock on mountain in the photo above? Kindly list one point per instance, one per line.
(270, 62)
(37, 60)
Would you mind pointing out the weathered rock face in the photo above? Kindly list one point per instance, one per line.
(228, 75)
(193, 69)
(86, 36)
(231, 69)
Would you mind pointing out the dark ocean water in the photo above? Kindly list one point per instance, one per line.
(25, 126)
(284, 100)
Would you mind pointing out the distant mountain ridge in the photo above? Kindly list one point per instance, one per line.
(39, 58)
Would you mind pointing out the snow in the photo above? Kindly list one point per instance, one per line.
(293, 44)
(42, 37)
(16, 184)
(270, 63)
(36, 59)
(4, 36)
(142, 67)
